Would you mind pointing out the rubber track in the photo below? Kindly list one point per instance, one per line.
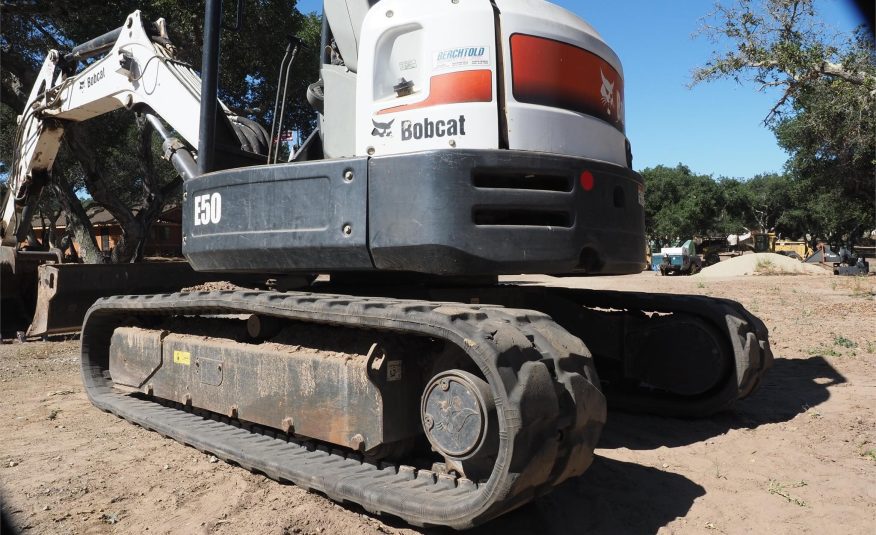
(746, 336)
(542, 378)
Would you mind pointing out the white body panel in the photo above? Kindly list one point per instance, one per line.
(345, 18)
(550, 129)
(337, 127)
(416, 41)
(403, 39)
(674, 251)
(171, 89)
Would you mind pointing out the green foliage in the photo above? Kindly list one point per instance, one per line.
(735, 207)
(682, 204)
(768, 197)
(7, 135)
(679, 203)
(830, 137)
(825, 118)
(842, 341)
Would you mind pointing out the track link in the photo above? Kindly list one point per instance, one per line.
(746, 342)
(542, 380)
(740, 338)
(606, 321)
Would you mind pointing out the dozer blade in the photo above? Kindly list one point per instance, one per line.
(66, 291)
(18, 286)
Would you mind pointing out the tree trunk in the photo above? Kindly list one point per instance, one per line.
(156, 195)
(135, 227)
(80, 144)
(78, 224)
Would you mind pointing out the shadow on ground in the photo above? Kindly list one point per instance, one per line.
(6, 525)
(620, 497)
(790, 388)
(611, 497)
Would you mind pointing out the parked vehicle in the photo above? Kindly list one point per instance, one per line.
(681, 260)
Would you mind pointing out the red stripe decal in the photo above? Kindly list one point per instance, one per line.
(454, 88)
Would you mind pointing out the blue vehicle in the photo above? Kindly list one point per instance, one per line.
(677, 260)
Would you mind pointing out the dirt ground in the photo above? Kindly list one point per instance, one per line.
(799, 456)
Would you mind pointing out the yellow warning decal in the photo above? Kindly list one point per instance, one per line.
(182, 357)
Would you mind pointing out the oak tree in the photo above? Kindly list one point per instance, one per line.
(825, 111)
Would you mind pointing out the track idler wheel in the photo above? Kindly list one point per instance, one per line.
(459, 417)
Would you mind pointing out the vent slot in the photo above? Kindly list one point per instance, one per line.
(524, 218)
(516, 180)
(620, 200)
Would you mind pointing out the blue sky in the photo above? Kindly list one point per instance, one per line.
(713, 128)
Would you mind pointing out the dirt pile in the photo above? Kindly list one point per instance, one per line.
(761, 264)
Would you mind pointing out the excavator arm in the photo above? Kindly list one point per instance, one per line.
(137, 70)
(133, 67)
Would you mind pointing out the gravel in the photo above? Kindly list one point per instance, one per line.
(761, 264)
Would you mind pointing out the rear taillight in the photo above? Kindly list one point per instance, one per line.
(587, 180)
(552, 73)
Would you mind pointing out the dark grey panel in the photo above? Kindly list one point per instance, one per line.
(503, 212)
(281, 218)
(449, 212)
(295, 205)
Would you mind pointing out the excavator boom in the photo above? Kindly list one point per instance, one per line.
(135, 68)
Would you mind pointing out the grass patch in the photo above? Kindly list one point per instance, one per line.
(781, 489)
(842, 341)
(869, 454)
(841, 346)
(53, 414)
(765, 266)
(857, 287)
(718, 473)
(824, 351)
(32, 351)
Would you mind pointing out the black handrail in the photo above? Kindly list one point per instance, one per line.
(209, 86)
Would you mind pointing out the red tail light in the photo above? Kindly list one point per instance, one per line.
(587, 180)
(560, 75)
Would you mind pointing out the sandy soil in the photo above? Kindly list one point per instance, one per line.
(797, 457)
(762, 263)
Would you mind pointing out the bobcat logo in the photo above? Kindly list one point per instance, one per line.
(607, 93)
(382, 129)
(611, 99)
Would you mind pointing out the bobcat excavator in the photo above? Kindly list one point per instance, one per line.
(457, 141)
